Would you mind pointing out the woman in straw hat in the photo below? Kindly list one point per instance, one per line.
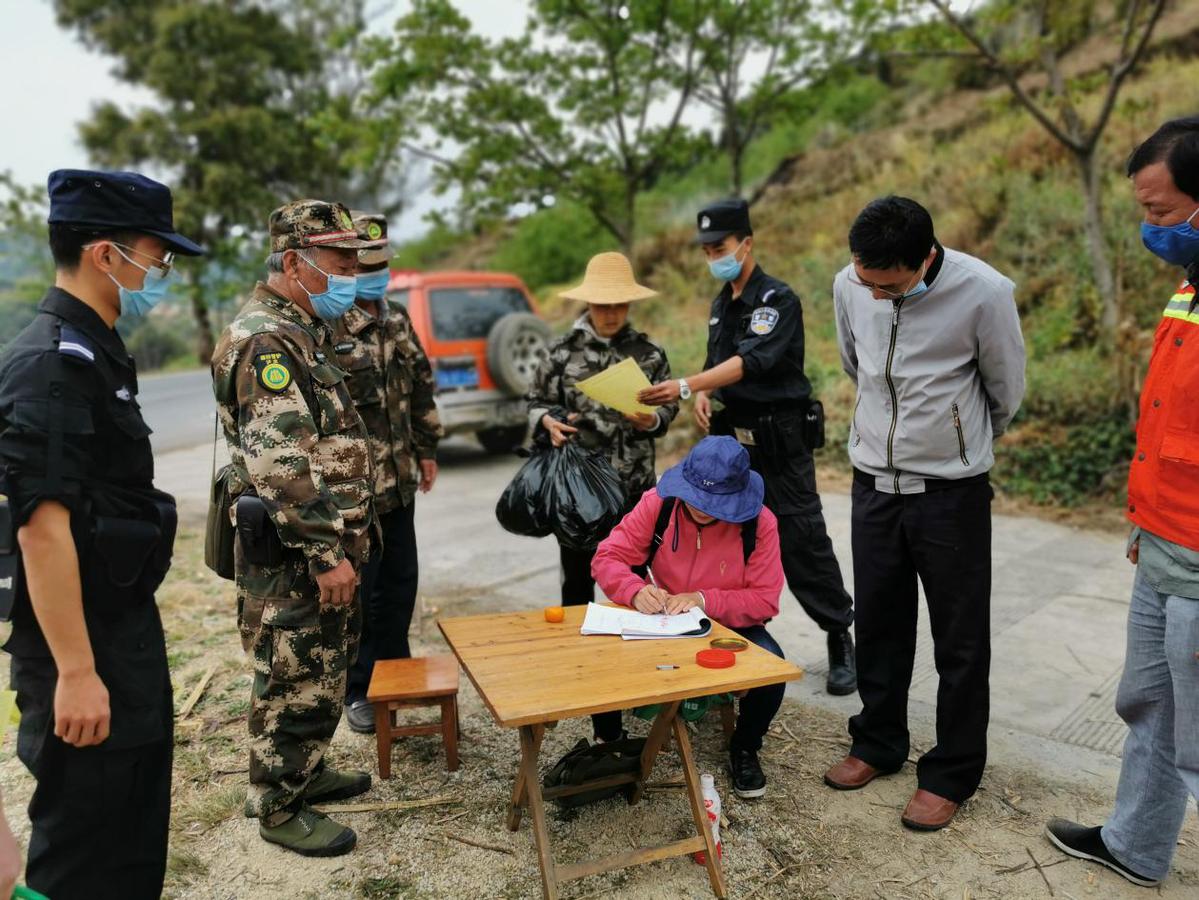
(601, 337)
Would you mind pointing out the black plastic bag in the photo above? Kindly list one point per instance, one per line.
(521, 509)
(566, 491)
(585, 497)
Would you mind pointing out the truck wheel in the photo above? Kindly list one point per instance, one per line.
(501, 440)
(515, 347)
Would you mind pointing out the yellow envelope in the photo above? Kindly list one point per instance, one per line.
(617, 386)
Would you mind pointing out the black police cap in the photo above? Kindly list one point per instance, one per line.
(717, 221)
(122, 201)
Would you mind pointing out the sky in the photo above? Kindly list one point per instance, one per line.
(53, 81)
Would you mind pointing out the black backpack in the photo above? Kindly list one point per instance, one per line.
(586, 762)
(749, 533)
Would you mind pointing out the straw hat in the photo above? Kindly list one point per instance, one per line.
(609, 280)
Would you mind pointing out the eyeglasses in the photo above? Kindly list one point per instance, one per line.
(163, 264)
(888, 290)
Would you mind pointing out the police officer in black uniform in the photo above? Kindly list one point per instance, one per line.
(755, 370)
(89, 660)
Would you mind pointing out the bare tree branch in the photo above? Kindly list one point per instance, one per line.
(1125, 66)
(1010, 77)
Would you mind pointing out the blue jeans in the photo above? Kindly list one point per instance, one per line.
(1159, 699)
(756, 710)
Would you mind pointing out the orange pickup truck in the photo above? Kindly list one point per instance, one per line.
(484, 337)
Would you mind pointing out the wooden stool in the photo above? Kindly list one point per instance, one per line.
(405, 683)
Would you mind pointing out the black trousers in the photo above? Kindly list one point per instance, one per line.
(811, 567)
(757, 709)
(100, 815)
(942, 537)
(578, 589)
(388, 593)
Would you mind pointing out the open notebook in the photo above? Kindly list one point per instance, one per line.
(634, 626)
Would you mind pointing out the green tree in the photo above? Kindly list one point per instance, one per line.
(254, 104)
(585, 106)
(1053, 27)
(754, 52)
(25, 265)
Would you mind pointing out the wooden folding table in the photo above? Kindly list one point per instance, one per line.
(531, 673)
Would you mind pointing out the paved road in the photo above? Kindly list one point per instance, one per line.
(179, 407)
(1060, 600)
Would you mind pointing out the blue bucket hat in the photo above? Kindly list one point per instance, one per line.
(716, 479)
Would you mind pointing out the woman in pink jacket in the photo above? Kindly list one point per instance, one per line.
(717, 548)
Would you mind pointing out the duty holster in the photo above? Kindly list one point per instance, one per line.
(126, 541)
(10, 554)
(256, 532)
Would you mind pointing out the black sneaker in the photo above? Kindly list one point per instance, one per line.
(746, 771)
(842, 664)
(1087, 843)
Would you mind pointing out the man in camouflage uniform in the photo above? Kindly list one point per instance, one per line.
(298, 446)
(391, 382)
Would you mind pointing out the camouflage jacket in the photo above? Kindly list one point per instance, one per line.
(391, 382)
(578, 355)
(292, 430)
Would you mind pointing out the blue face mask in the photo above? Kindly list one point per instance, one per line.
(373, 285)
(139, 301)
(1176, 244)
(726, 268)
(337, 297)
(915, 291)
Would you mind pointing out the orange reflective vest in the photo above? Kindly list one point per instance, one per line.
(1163, 482)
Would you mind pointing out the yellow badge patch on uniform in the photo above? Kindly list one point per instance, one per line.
(273, 370)
(346, 222)
(763, 320)
(374, 231)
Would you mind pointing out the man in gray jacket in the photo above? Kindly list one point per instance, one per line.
(932, 339)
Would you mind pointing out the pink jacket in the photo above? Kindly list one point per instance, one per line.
(710, 559)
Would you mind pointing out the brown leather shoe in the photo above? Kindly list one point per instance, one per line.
(851, 774)
(928, 812)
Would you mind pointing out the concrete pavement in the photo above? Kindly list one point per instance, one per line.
(179, 407)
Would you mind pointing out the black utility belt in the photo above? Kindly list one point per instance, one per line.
(784, 432)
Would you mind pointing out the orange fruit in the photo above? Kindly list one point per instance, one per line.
(555, 614)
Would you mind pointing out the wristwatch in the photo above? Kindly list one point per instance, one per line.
(684, 389)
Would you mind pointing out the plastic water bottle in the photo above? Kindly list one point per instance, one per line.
(712, 808)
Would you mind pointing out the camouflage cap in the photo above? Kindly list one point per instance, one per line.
(372, 227)
(314, 223)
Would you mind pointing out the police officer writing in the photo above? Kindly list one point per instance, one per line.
(754, 368)
(89, 661)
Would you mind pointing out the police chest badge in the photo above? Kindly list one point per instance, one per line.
(273, 370)
(763, 320)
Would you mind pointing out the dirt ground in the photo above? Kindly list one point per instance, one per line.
(801, 840)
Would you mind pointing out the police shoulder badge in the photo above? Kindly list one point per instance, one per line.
(763, 320)
(273, 370)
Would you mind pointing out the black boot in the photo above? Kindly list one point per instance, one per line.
(842, 665)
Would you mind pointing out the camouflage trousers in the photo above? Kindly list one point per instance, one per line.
(300, 652)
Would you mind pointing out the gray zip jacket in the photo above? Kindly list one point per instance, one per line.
(939, 375)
